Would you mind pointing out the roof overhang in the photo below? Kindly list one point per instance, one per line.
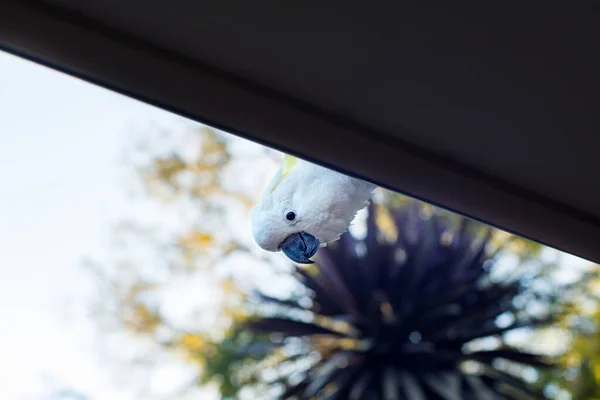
(492, 113)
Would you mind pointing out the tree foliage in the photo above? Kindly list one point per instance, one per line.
(203, 184)
(401, 318)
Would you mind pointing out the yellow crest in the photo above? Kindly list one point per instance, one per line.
(288, 164)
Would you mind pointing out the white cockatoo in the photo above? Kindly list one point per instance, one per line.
(306, 206)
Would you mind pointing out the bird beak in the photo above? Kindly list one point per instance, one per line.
(300, 247)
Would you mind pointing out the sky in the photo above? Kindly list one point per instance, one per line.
(62, 187)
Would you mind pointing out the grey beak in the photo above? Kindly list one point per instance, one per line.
(300, 247)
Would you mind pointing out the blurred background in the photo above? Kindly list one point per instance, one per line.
(127, 263)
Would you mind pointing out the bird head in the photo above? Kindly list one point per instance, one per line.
(299, 211)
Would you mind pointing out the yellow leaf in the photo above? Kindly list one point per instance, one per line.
(386, 224)
(192, 341)
(198, 240)
(594, 286)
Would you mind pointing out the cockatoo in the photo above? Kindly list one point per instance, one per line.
(306, 206)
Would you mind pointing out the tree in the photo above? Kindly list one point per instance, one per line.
(400, 319)
(581, 319)
(201, 179)
(188, 175)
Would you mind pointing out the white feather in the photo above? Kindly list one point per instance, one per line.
(325, 203)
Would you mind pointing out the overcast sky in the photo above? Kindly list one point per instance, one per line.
(61, 186)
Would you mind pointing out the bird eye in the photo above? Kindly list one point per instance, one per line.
(290, 216)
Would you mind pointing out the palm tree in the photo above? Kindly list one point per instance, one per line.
(402, 314)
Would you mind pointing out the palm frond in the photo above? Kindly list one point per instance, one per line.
(393, 320)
